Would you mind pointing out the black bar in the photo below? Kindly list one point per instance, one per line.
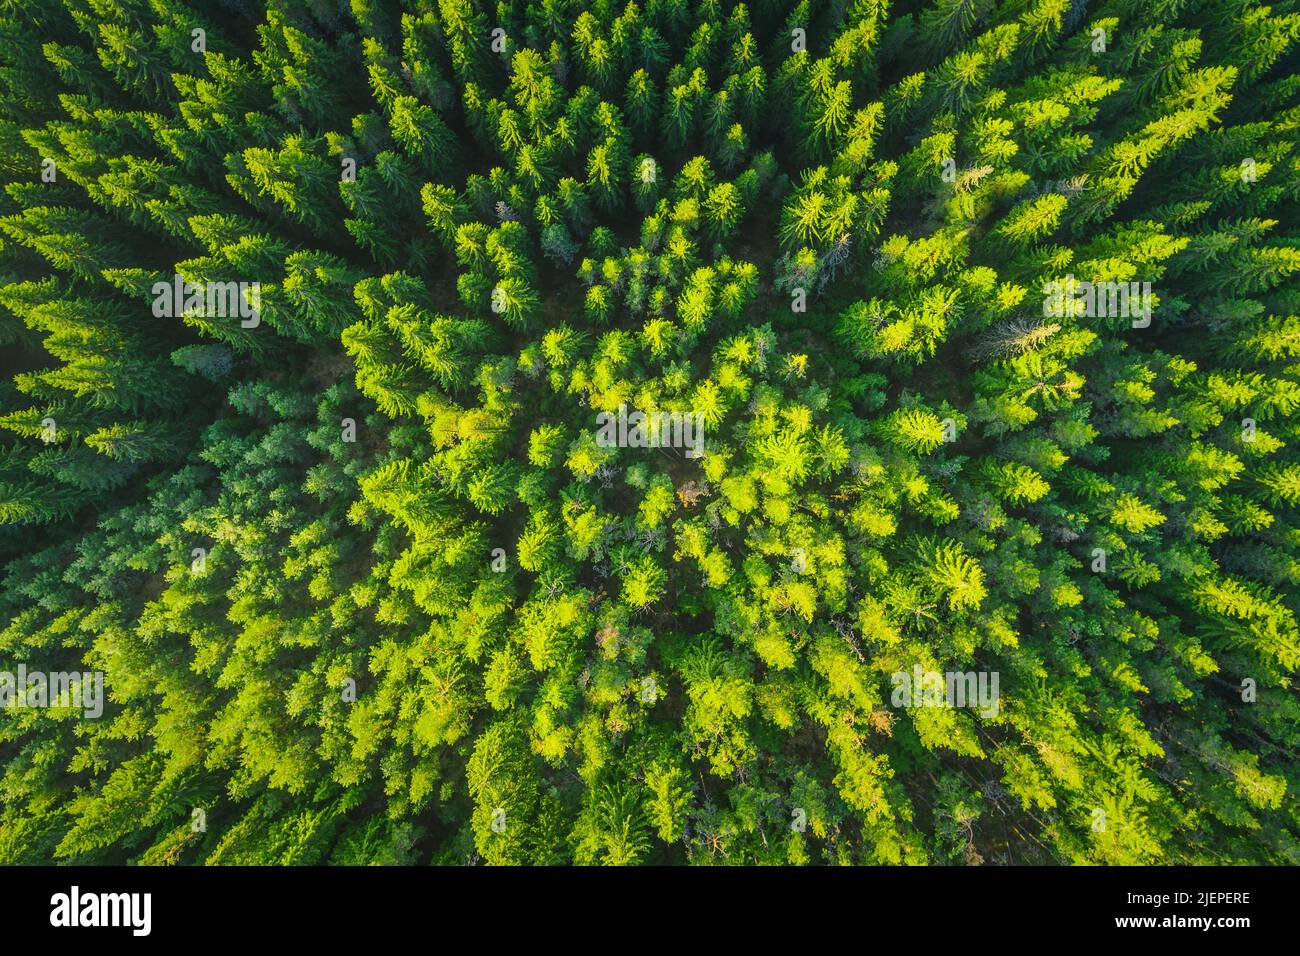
(341, 905)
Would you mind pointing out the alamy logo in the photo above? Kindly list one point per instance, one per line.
(952, 689)
(213, 300)
(656, 430)
(103, 909)
(59, 689)
(1071, 297)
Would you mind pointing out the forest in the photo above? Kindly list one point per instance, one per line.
(661, 432)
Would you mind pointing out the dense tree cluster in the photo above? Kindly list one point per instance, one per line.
(366, 587)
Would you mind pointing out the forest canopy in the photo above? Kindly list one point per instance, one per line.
(660, 432)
